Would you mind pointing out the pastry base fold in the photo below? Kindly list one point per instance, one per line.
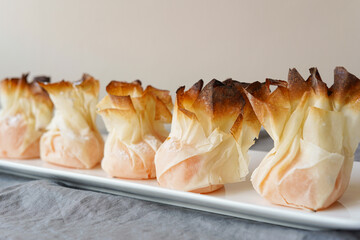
(301, 183)
(17, 141)
(81, 152)
(190, 161)
(133, 161)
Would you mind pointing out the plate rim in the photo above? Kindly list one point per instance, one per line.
(195, 201)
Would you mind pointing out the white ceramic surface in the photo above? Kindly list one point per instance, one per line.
(239, 200)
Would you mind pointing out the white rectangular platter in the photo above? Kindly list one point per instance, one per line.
(238, 200)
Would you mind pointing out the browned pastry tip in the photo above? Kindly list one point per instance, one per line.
(293, 89)
(185, 99)
(296, 84)
(218, 99)
(259, 90)
(240, 86)
(248, 115)
(195, 90)
(87, 83)
(279, 102)
(180, 95)
(36, 88)
(56, 87)
(117, 88)
(222, 105)
(42, 79)
(287, 95)
(10, 85)
(316, 83)
(346, 87)
(129, 96)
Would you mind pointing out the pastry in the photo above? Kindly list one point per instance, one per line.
(135, 120)
(212, 129)
(72, 138)
(26, 111)
(315, 132)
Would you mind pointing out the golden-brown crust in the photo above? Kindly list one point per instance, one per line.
(10, 85)
(192, 94)
(237, 84)
(180, 97)
(274, 107)
(257, 89)
(186, 99)
(133, 89)
(125, 96)
(346, 87)
(247, 111)
(56, 87)
(87, 84)
(224, 104)
(41, 79)
(296, 84)
(315, 82)
(219, 99)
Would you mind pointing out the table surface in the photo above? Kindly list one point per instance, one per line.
(43, 209)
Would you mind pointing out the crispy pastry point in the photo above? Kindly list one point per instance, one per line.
(315, 132)
(72, 138)
(212, 129)
(26, 111)
(135, 120)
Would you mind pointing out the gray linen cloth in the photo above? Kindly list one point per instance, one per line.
(42, 209)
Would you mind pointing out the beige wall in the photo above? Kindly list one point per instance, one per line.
(171, 43)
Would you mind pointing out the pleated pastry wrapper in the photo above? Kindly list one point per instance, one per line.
(315, 132)
(212, 129)
(135, 120)
(72, 138)
(25, 113)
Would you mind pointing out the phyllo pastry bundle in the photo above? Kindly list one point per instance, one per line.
(315, 132)
(212, 129)
(72, 138)
(135, 120)
(25, 113)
